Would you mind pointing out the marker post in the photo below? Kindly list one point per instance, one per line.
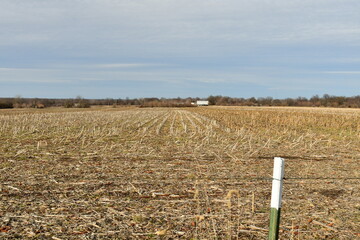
(276, 193)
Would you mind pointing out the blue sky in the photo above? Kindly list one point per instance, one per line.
(171, 48)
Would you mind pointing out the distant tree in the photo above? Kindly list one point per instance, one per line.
(212, 100)
(110, 101)
(290, 102)
(252, 101)
(69, 103)
(5, 103)
(265, 101)
(81, 102)
(18, 102)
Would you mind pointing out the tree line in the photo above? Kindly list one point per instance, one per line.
(315, 101)
(79, 102)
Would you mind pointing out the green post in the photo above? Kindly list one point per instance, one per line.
(276, 194)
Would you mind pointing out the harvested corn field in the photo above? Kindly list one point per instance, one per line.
(195, 173)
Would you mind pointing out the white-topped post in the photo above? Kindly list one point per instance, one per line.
(276, 194)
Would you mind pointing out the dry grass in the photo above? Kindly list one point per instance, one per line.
(128, 173)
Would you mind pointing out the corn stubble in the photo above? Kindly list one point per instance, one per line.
(130, 173)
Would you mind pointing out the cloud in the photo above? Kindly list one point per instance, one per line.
(118, 73)
(342, 72)
(192, 25)
(31, 75)
(22, 69)
(290, 88)
(210, 43)
(127, 65)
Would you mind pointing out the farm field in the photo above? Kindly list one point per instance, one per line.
(178, 173)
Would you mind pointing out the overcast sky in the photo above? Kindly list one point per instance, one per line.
(171, 48)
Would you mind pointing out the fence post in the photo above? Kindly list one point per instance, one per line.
(276, 193)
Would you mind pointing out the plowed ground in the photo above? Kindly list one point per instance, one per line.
(196, 173)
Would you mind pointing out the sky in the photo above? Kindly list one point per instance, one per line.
(179, 48)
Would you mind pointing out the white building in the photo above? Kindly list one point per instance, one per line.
(202, 103)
